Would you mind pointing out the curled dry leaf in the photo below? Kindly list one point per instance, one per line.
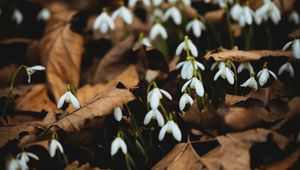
(244, 56)
(61, 54)
(114, 62)
(99, 106)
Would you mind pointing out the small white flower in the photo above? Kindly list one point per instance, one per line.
(295, 47)
(190, 45)
(251, 82)
(243, 15)
(264, 74)
(116, 145)
(155, 95)
(184, 99)
(132, 3)
(156, 30)
(286, 67)
(104, 22)
(188, 69)
(154, 114)
(170, 127)
(23, 159)
(197, 26)
(55, 145)
(266, 11)
(174, 13)
(225, 72)
(157, 2)
(31, 70)
(143, 41)
(69, 98)
(194, 84)
(187, 2)
(235, 11)
(17, 16)
(124, 13)
(246, 65)
(294, 17)
(118, 113)
(13, 164)
(215, 64)
(156, 14)
(44, 14)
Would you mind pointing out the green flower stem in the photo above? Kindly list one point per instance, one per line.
(164, 111)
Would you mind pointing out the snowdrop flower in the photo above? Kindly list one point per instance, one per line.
(31, 70)
(185, 99)
(157, 2)
(194, 84)
(69, 98)
(155, 95)
(266, 11)
(118, 113)
(215, 64)
(143, 41)
(132, 3)
(295, 47)
(156, 30)
(187, 44)
(225, 72)
(13, 164)
(294, 17)
(116, 145)
(246, 65)
(170, 127)
(187, 70)
(286, 67)
(154, 114)
(251, 82)
(264, 74)
(44, 14)
(243, 15)
(23, 159)
(187, 2)
(197, 26)
(235, 11)
(174, 13)
(124, 13)
(104, 22)
(17, 16)
(156, 14)
(55, 145)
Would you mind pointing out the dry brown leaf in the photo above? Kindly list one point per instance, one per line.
(245, 56)
(61, 54)
(75, 165)
(295, 33)
(6, 74)
(99, 106)
(114, 62)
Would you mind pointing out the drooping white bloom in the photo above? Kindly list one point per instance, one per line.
(124, 13)
(157, 2)
(32, 70)
(155, 95)
(156, 30)
(197, 26)
(188, 69)
(17, 16)
(251, 82)
(143, 41)
(132, 3)
(243, 15)
(156, 14)
(154, 114)
(294, 17)
(118, 143)
(44, 14)
(194, 84)
(170, 127)
(286, 67)
(118, 113)
(187, 2)
(215, 64)
(13, 164)
(235, 11)
(185, 99)
(246, 65)
(295, 47)
(266, 11)
(225, 72)
(174, 13)
(264, 74)
(69, 98)
(23, 159)
(189, 45)
(55, 145)
(104, 23)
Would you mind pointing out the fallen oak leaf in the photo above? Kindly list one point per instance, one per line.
(62, 53)
(99, 106)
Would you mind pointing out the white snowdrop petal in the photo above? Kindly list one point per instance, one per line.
(182, 102)
(176, 16)
(217, 75)
(189, 26)
(32, 155)
(180, 64)
(127, 16)
(167, 94)
(115, 145)
(229, 75)
(287, 45)
(197, 29)
(118, 114)
(59, 146)
(123, 146)
(104, 28)
(273, 74)
(148, 117)
(38, 68)
(162, 132)
(199, 87)
(193, 48)
(74, 101)
(291, 69)
(179, 48)
(185, 85)
(263, 77)
(176, 131)
(200, 65)
(259, 73)
(52, 148)
(281, 69)
(296, 48)
(61, 101)
(160, 118)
